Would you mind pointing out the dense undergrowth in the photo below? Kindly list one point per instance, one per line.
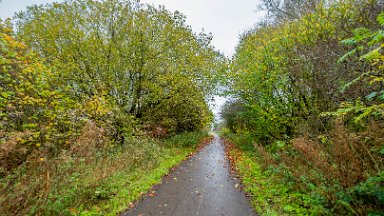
(307, 109)
(268, 195)
(88, 181)
(295, 179)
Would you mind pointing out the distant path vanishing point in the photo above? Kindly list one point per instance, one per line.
(201, 185)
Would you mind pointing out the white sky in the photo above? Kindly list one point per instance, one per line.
(226, 19)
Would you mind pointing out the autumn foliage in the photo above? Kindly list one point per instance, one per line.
(307, 87)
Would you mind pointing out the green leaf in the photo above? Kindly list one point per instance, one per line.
(280, 144)
(345, 56)
(382, 151)
(378, 37)
(381, 97)
(348, 85)
(374, 54)
(349, 41)
(380, 19)
(371, 96)
(6, 95)
(361, 34)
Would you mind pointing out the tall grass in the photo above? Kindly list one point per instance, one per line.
(338, 173)
(92, 176)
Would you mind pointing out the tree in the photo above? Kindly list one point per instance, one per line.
(288, 73)
(132, 54)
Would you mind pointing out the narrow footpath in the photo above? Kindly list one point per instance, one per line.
(201, 185)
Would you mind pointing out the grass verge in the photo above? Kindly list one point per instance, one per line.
(267, 194)
(340, 175)
(98, 183)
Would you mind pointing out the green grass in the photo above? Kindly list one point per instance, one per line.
(129, 186)
(268, 194)
(282, 182)
(103, 184)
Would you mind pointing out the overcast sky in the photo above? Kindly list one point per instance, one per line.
(226, 19)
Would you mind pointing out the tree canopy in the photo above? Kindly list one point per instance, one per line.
(144, 60)
(289, 72)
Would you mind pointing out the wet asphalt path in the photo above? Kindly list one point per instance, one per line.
(201, 185)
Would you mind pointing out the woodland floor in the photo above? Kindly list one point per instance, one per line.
(201, 185)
